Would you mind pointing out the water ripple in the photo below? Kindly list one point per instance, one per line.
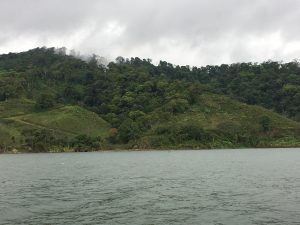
(177, 187)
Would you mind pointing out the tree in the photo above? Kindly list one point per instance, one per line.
(72, 94)
(45, 101)
(177, 106)
(120, 60)
(265, 123)
(11, 86)
(129, 130)
(193, 93)
(39, 140)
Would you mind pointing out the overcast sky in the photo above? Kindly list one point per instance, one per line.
(194, 32)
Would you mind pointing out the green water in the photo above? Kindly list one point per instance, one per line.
(156, 187)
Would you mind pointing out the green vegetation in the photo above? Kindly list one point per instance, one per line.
(50, 101)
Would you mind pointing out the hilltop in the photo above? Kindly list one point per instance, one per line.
(51, 101)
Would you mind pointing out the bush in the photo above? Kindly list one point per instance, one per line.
(193, 131)
(190, 130)
(84, 141)
(39, 140)
(161, 130)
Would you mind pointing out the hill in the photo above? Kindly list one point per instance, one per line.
(220, 122)
(20, 118)
(50, 101)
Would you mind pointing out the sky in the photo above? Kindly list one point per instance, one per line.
(183, 32)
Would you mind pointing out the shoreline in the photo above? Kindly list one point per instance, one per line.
(151, 150)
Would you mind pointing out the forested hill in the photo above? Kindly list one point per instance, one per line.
(50, 101)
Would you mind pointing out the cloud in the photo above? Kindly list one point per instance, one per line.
(195, 32)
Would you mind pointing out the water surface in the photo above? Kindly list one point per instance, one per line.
(258, 186)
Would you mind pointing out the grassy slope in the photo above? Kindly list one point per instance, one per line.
(70, 119)
(66, 121)
(220, 113)
(211, 112)
(215, 109)
(9, 128)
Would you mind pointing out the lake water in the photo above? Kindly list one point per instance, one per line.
(241, 187)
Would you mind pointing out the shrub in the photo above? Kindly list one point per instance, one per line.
(265, 123)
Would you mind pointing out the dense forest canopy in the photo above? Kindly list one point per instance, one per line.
(132, 95)
(273, 85)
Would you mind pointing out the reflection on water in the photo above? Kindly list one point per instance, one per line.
(156, 187)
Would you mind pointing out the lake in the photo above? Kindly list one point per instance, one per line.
(247, 186)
